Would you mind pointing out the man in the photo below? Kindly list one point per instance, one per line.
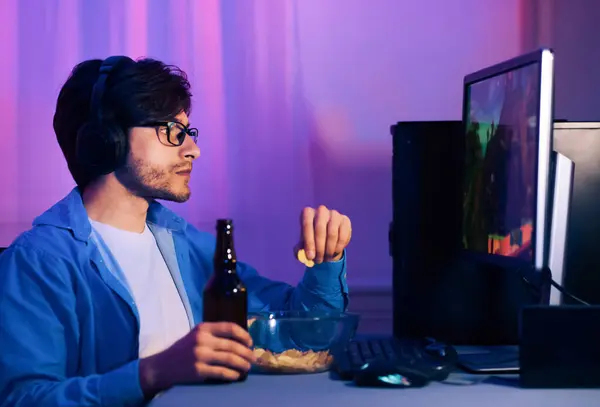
(101, 301)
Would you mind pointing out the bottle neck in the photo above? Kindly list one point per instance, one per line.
(225, 260)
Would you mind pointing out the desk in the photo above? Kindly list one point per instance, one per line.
(319, 390)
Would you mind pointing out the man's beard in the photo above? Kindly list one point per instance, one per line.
(150, 182)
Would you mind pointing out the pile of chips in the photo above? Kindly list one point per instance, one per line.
(292, 361)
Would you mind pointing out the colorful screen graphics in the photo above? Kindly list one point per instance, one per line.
(501, 159)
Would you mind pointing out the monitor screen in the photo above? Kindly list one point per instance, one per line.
(500, 184)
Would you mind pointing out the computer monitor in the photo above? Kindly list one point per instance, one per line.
(508, 119)
(563, 173)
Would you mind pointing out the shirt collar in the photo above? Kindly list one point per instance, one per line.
(69, 213)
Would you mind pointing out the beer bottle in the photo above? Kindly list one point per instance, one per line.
(225, 297)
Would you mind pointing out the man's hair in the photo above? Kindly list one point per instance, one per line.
(137, 92)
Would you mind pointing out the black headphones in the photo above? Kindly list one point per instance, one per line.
(101, 144)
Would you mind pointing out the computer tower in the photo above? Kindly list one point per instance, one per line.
(426, 184)
(580, 142)
(436, 291)
(425, 230)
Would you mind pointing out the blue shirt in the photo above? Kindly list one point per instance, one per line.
(68, 323)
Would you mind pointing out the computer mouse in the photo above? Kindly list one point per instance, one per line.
(389, 374)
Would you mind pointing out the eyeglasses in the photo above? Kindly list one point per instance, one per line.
(173, 133)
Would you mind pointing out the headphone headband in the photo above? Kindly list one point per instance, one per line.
(98, 91)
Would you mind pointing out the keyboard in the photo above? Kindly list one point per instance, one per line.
(434, 359)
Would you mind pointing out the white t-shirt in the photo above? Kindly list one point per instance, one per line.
(163, 319)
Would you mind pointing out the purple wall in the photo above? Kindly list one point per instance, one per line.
(571, 29)
(293, 100)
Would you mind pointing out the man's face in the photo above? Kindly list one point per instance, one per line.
(156, 169)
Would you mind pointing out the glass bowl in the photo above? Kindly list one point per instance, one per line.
(293, 342)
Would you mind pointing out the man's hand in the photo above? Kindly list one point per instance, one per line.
(324, 234)
(218, 350)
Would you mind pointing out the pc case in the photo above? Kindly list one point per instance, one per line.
(580, 142)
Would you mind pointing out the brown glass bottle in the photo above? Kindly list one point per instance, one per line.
(225, 297)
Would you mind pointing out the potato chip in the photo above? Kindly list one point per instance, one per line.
(301, 255)
(292, 361)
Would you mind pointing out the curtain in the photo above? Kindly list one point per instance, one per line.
(293, 100)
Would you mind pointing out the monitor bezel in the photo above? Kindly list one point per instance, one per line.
(545, 58)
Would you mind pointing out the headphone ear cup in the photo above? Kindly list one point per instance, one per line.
(96, 148)
(119, 143)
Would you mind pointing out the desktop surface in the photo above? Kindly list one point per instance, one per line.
(321, 390)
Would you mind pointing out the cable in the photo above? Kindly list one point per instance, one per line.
(554, 284)
(568, 294)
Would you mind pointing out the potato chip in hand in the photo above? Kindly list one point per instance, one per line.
(301, 255)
